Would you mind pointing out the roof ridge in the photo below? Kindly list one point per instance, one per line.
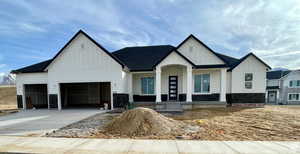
(227, 56)
(149, 46)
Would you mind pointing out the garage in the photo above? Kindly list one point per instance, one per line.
(36, 96)
(85, 95)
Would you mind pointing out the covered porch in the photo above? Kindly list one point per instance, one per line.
(176, 80)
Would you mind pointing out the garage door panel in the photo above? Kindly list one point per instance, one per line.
(85, 94)
(36, 96)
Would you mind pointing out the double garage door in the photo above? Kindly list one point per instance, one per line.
(73, 95)
(85, 94)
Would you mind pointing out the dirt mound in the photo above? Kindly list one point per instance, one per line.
(143, 121)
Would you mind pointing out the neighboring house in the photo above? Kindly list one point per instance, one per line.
(283, 87)
(83, 73)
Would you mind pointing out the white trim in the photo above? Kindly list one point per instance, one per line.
(142, 72)
(288, 97)
(293, 86)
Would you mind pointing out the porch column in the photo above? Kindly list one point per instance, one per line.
(157, 84)
(59, 105)
(130, 87)
(23, 97)
(223, 85)
(189, 84)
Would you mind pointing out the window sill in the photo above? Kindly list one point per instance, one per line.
(147, 94)
(202, 93)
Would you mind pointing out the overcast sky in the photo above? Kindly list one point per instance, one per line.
(32, 31)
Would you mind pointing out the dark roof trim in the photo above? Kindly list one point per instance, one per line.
(181, 55)
(192, 36)
(34, 68)
(97, 44)
(273, 87)
(141, 70)
(245, 57)
(211, 66)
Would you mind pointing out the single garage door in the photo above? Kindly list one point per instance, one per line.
(36, 96)
(80, 95)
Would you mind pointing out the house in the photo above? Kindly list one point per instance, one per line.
(283, 87)
(83, 73)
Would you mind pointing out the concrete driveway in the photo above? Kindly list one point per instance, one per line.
(41, 121)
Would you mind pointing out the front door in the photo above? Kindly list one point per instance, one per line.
(272, 96)
(173, 87)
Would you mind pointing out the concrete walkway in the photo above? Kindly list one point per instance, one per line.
(37, 122)
(76, 145)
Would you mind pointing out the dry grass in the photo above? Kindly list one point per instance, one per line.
(276, 123)
(8, 100)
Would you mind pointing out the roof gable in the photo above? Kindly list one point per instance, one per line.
(198, 52)
(73, 38)
(288, 74)
(179, 54)
(245, 57)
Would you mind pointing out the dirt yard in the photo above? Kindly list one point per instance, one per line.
(271, 123)
(277, 123)
(8, 100)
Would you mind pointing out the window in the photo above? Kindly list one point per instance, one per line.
(248, 80)
(202, 83)
(293, 97)
(294, 83)
(147, 85)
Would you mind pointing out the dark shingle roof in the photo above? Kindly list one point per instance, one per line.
(276, 74)
(230, 61)
(39, 67)
(144, 57)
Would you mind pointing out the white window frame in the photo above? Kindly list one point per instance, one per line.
(248, 81)
(142, 86)
(288, 97)
(293, 86)
(202, 93)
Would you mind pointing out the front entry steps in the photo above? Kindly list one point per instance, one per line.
(169, 107)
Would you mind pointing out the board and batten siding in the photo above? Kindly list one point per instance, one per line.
(30, 78)
(229, 82)
(249, 65)
(83, 61)
(198, 54)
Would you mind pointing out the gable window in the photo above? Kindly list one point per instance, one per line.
(202, 83)
(147, 84)
(293, 97)
(294, 83)
(248, 80)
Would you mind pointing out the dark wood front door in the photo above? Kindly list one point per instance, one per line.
(173, 87)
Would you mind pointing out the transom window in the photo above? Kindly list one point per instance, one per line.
(293, 97)
(147, 85)
(202, 83)
(294, 83)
